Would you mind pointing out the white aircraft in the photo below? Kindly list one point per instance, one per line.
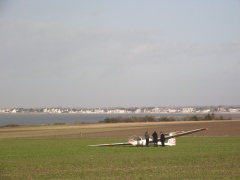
(170, 139)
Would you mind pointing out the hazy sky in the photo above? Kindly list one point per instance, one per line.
(119, 53)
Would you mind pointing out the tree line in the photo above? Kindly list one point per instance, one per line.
(162, 119)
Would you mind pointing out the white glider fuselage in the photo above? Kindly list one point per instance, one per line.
(141, 141)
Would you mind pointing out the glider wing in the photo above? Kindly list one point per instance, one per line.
(112, 144)
(183, 133)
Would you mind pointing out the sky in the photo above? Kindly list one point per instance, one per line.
(121, 53)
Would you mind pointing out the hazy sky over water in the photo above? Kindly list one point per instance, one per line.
(89, 53)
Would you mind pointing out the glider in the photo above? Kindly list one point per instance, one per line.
(170, 139)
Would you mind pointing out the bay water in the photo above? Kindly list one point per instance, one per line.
(43, 119)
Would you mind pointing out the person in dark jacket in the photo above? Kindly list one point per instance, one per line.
(155, 138)
(162, 139)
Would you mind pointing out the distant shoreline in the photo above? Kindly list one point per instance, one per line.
(73, 118)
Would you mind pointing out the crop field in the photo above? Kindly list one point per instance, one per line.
(61, 152)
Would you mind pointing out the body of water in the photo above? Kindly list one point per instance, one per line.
(42, 119)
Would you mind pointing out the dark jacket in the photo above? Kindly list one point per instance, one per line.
(162, 137)
(155, 136)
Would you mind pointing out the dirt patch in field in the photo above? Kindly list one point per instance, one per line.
(227, 128)
(215, 128)
(122, 130)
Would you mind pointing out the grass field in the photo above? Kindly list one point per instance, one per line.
(61, 152)
(71, 158)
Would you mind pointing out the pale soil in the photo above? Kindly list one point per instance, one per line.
(215, 128)
(122, 130)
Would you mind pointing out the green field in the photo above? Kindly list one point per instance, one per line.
(192, 158)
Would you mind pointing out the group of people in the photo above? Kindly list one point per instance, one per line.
(155, 138)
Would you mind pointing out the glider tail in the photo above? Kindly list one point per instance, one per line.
(171, 141)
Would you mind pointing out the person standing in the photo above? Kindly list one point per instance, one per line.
(155, 138)
(162, 139)
(147, 138)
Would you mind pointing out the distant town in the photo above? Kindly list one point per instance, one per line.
(133, 110)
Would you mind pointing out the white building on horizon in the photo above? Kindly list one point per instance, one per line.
(187, 110)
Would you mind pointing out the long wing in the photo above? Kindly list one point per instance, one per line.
(183, 133)
(112, 144)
